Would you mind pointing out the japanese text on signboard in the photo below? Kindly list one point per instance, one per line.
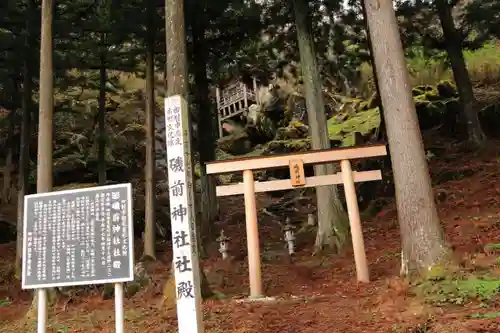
(78, 237)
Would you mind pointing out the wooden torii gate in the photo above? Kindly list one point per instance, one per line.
(296, 162)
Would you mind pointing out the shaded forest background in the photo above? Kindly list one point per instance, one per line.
(110, 79)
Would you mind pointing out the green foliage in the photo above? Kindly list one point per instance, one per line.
(459, 290)
(5, 302)
(344, 127)
(483, 16)
(483, 65)
(486, 315)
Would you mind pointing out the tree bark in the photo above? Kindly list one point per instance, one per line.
(382, 132)
(177, 73)
(46, 104)
(422, 236)
(24, 147)
(332, 218)
(206, 133)
(46, 111)
(101, 147)
(150, 195)
(7, 173)
(453, 42)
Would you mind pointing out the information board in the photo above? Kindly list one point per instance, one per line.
(182, 216)
(77, 237)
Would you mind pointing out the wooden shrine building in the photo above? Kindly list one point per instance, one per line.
(234, 100)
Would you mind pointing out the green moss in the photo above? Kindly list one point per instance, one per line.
(197, 172)
(436, 273)
(287, 146)
(298, 145)
(432, 95)
(363, 122)
(296, 124)
(422, 89)
(221, 155)
(295, 130)
(237, 143)
(446, 89)
(364, 105)
(459, 290)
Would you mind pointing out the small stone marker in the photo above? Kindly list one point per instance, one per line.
(182, 215)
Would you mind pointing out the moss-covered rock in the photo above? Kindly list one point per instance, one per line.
(295, 130)
(421, 90)
(447, 89)
(287, 146)
(236, 143)
(363, 122)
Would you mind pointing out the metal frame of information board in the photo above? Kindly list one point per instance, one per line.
(129, 278)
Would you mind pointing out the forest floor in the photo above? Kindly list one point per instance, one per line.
(320, 294)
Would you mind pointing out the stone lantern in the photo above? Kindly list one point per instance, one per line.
(289, 236)
(223, 244)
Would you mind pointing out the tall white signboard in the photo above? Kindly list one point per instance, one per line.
(182, 215)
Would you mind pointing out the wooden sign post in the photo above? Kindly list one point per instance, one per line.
(182, 215)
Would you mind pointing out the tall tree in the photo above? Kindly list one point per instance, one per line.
(24, 147)
(104, 18)
(382, 132)
(440, 33)
(150, 217)
(332, 219)
(453, 43)
(98, 43)
(9, 166)
(422, 237)
(46, 111)
(206, 132)
(46, 104)
(101, 115)
(483, 16)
